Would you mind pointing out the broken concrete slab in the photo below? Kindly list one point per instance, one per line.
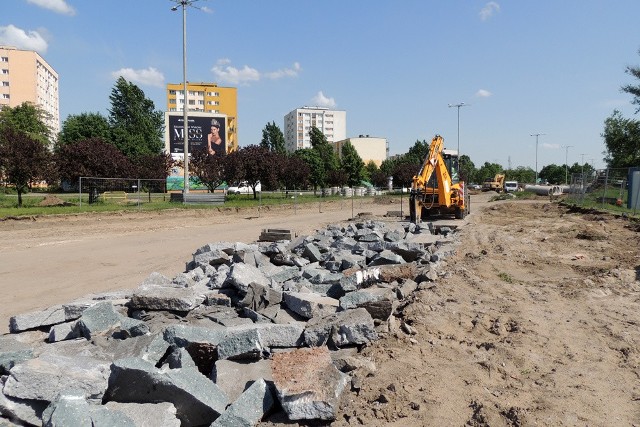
(307, 383)
(198, 400)
(102, 317)
(64, 331)
(70, 408)
(156, 297)
(13, 351)
(43, 378)
(148, 414)
(310, 305)
(360, 297)
(24, 411)
(37, 319)
(242, 275)
(249, 408)
(343, 328)
(234, 377)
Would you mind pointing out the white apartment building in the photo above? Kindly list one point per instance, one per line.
(298, 123)
(26, 77)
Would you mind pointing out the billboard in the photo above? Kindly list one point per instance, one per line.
(206, 132)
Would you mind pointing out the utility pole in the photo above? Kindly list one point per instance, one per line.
(566, 164)
(537, 135)
(461, 104)
(185, 107)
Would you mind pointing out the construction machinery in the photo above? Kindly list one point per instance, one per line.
(437, 188)
(494, 184)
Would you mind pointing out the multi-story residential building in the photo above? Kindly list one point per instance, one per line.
(368, 148)
(298, 123)
(208, 98)
(26, 77)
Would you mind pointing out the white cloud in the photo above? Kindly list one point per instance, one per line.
(322, 101)
(206, 9)
(148, 77)
(58, 6)
(482, 93)
(227, 73)
(551, 146)
(17, 37)
(488, 10)
(285, 72)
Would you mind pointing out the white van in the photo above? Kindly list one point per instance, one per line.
(243, 188)
(510, 186)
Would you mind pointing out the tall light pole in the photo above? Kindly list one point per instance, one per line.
(566, 164)
(461, 104)
(185, 107)
(537, 135)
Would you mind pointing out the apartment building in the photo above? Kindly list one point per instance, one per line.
(208, 98)
(26, 77)
(368, 148)
(298, 123)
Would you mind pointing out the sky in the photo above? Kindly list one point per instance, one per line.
(545, 67)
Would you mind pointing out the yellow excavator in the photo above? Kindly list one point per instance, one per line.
(437, 188)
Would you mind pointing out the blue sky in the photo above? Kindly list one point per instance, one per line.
(522, 67)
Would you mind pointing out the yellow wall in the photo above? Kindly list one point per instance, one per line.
(225, 97)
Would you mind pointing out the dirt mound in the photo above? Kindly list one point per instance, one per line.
(52, 200)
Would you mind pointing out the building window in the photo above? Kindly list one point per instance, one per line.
(5, 71)
(5, 83)
(192, 102)
(172, 101)
(172, 92)
(200, 102)
(5, 59)
(5, 95)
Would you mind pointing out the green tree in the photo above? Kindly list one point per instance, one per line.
(488, 170)
(554, 174)
(418, 152)
(326, 153)
(136, 126)
(370, 169)
(273, 138)
(622, 141)
(294, 173)
(467, 169)
(317, 173)
(352, 164)
(633, 89)
(24, 160)
(84, 126)
(28, 118)
(521, 174)
(256, 165)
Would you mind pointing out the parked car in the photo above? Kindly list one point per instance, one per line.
(510, 186)
(243, 188)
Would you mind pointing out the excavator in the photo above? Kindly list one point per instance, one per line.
(437, 187)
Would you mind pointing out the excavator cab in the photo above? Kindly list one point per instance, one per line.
(437, 187)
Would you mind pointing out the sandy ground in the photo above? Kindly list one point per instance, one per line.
(535, 319)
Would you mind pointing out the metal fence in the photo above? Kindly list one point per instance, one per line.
(134, 190)
(608, 189)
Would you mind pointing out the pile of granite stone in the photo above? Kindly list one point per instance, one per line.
(246, 332)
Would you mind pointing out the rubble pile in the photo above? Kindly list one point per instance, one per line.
(247, 330)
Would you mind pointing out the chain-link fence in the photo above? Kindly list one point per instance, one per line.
(121, 190)
(608, 189)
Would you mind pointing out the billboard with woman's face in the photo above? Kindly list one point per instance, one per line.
(206, 132)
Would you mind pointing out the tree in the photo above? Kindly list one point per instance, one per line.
(370, 169)
(273, 139)
(404, 171)
(317, 173)
(92, 158)
(418, 152)
(136, 127)
(255, 165)
(488, 170)
(294, 173)
(467, 169)
(326, 154)
(633, 89)
(622, 141)
(521, 174)
(153, 166)
(211, 170)
(552, 173)
(84, 126)
(28, 118)
(24, 160)
(352, 165)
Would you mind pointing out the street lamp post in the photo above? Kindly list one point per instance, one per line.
(461, 104)
(185, 108)
(566, 164)
(537, 135)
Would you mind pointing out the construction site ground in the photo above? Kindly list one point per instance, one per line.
(534, 320)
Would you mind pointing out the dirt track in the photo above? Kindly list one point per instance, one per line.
(535, 320)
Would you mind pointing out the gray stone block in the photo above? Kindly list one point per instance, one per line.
(103, 318)
(197, 399)
(312, 253)
(71, 409)
(180, 358)
(183, 335)
(343, 328)
(361, 297)
(36, 319)
(242, 275)
(249, 408)
(45, 377)
(24, 411)
(64, 331)
(259, 297)
(13, 351)
(148, 414)
(154, 297)
(240, 344)
(386, 257)
(234, 377)
(310, 305)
